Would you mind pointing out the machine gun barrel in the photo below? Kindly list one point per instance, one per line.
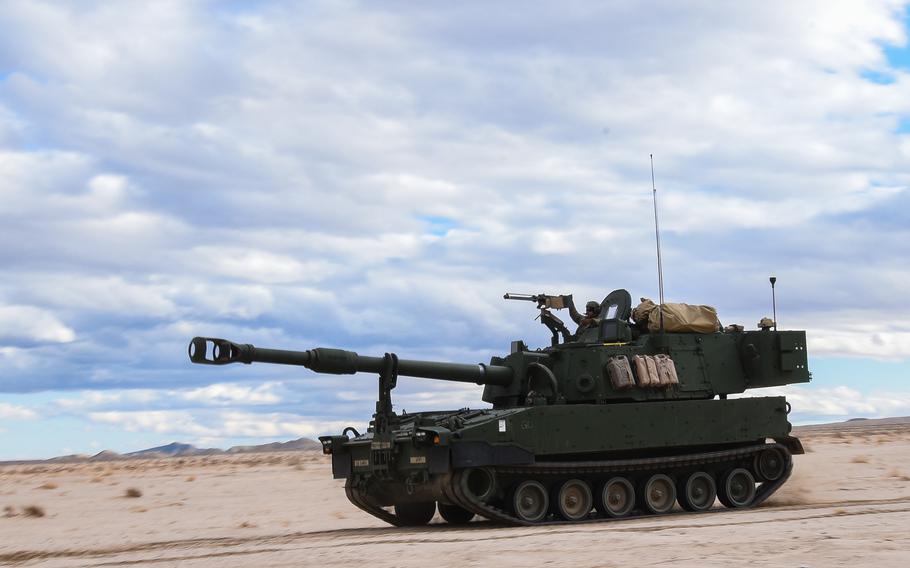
(525, 297)
(341, 362)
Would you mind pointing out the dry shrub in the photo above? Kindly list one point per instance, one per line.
(48, 485)
(132, 493)
(860, 459)
(840, 512)
(9, 511)
(247, 525)
(96, 480)
(33, 511)
(191, 478)
(898, 474)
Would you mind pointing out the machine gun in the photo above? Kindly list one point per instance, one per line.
(546, 302)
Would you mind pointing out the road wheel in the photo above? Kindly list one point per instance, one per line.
(617, 498)
(454, 515)
(737, 489)
(770, 464)
(574, 500)
(415, 514)
(697, 492)
(659, 494)
(530, 501)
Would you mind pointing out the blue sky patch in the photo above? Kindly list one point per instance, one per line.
(439, 226)
(899, 55)
(878, 77)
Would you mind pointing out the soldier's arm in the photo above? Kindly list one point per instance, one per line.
(570, 303)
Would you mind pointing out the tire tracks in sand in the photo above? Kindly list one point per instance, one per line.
(203, 548)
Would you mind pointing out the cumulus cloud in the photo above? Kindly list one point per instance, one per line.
(34, 324)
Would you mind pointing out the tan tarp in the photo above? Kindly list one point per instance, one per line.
(685, 318)
(677, 317)
(641, 312)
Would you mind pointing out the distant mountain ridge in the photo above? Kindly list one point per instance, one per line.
(174, 449)
(179, 449)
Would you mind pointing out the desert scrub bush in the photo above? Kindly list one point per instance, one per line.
(48, 485)
(33, 511)
(132, 493)
(860, 459)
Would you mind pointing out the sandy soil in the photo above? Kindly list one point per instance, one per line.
(848, 504)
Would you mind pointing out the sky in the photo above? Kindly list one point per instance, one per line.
(374, 176)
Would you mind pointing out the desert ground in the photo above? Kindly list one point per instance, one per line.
(847, 504)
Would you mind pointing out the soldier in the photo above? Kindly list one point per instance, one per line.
(589, 319)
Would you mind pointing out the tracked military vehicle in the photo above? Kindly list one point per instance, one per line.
(615, 419)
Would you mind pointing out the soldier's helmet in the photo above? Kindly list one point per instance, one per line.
(592, 306)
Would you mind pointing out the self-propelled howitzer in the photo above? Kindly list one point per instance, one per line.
(613, 420)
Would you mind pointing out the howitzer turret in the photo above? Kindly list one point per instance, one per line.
(613, 419)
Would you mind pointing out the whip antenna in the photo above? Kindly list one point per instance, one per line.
(773, 279)
(660, 270)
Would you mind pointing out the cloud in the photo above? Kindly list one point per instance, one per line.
(225, 394)
(216, 394)
(34, 324)
(888, 341)
(14, 412)
(216, 426)
(100, 399)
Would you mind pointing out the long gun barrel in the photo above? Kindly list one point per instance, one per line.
(341, 362)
